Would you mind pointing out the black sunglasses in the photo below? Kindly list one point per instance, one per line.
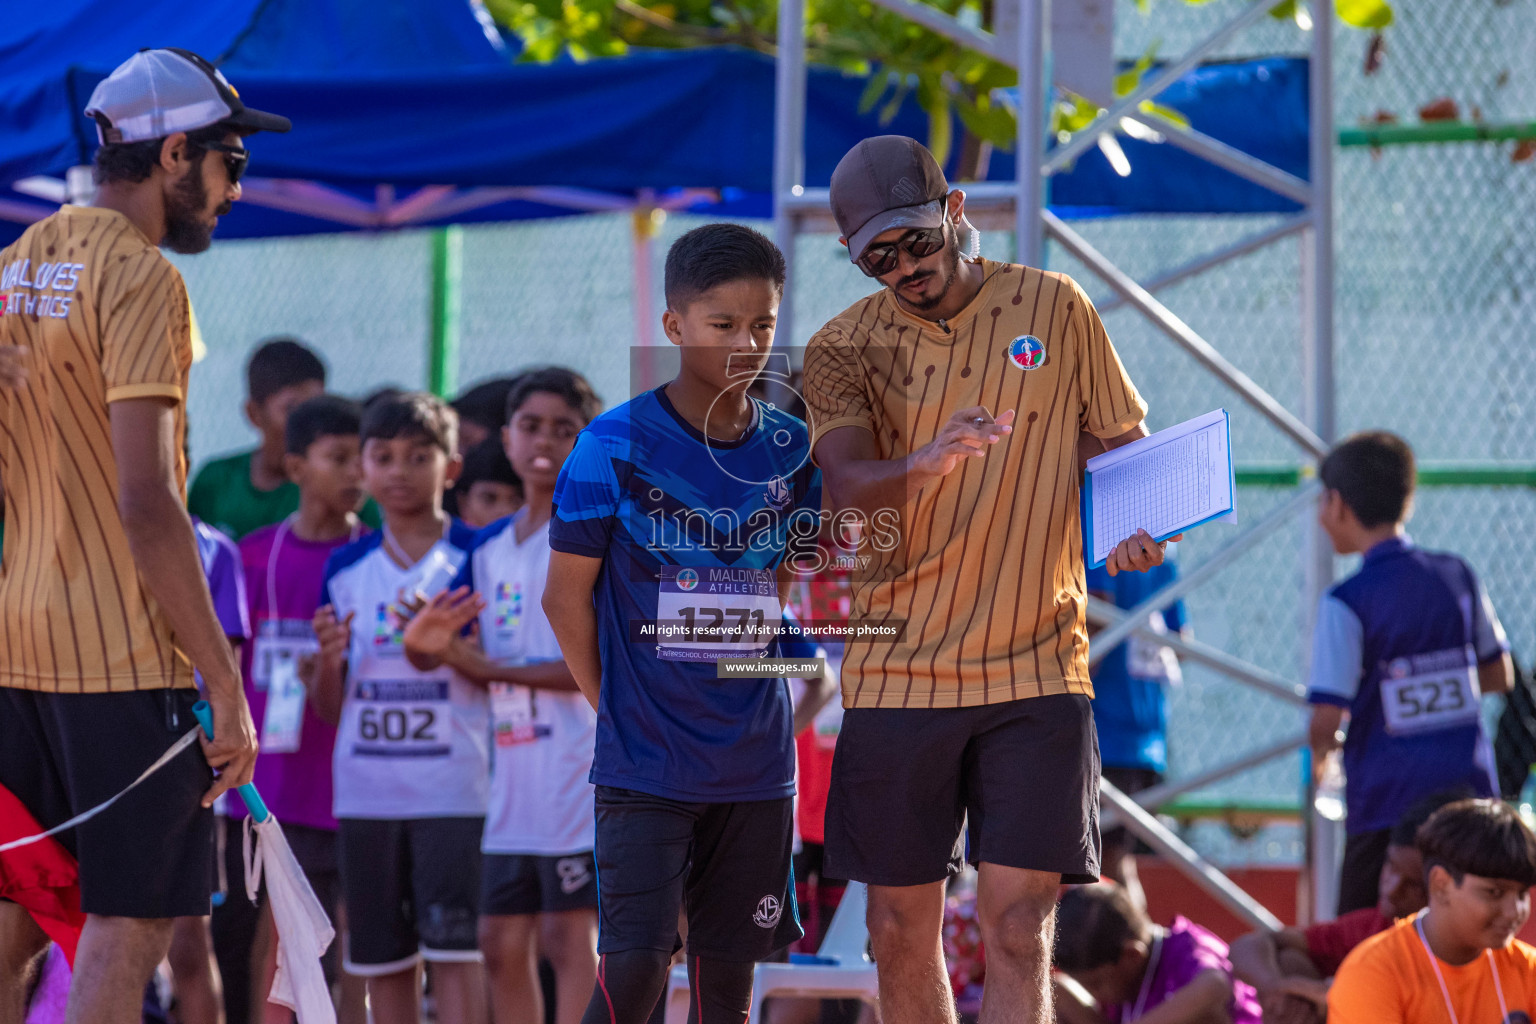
(235, 159)
(919, 243)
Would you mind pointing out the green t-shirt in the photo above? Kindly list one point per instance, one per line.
(223, 496)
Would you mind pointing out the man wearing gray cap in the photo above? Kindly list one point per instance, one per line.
(980, 710)
(103, 605)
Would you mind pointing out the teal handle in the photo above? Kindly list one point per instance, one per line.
(253, 801)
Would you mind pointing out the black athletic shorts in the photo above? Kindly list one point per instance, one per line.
(151, 854)
(1025, 773)
(728, 864)
(412, 888)
(526, 883)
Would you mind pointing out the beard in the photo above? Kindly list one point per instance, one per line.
(185, 231)
(948, 270)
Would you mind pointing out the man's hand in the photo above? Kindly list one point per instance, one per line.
(232, 751)
(335, 635)
(969, 433)
(435, 625)
(13, 366)
(1137, 553)
(1284, 1008)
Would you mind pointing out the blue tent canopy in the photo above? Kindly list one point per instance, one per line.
(418, 94)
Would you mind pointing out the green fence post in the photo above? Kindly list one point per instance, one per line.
(447, 276)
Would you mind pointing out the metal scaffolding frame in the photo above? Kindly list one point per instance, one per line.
(1020, 205)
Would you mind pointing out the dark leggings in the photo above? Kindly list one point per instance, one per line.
(630, 986)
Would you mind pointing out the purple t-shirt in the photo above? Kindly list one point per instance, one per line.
(296, 786)
(1188, 950)
(226, 581)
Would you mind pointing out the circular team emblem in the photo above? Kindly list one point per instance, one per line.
(1027, 352)
(769, 910)
(687, 580)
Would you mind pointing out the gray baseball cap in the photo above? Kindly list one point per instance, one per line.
(889, 181)
(156, 93)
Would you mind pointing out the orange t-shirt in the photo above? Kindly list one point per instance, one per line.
(1388, 979)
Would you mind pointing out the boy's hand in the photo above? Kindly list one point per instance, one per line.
(334, 634)
(436, 623)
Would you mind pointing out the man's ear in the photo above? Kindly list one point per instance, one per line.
(955, 206)
(455, 467)
(173, 153)
(1438, 881)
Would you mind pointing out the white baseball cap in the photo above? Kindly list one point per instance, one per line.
(156, 93)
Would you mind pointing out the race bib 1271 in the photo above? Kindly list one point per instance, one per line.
(704, 614)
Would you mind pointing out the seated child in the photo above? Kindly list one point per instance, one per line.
(1137, 971)
(1459, 960)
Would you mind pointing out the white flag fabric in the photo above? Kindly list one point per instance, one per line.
(304, 931)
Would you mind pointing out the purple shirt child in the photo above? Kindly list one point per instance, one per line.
(1186, 950)
(284, 575)
(226, 581)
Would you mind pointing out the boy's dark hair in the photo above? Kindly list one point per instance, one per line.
(1374, 474)
(565, 384)
(321, 416)
(133, 161)
(1479, 837)
(486, 403)
(1093, 925)
(716, 254)
(1406, 831)
(278, 363)
(377, 395)
(413, 414)
(487, 461)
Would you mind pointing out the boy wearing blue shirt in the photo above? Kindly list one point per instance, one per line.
(410, 763)
(1404, 648)
(672, 520)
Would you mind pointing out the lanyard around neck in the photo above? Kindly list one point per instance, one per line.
(1445, 993)
(396, 552)
(283, 530)
(1146, 981)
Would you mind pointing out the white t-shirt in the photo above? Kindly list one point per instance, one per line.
(411, 744)
(541, 801)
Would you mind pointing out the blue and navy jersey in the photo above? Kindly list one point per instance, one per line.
(1399, 644)
(1130, 699)
(697, 527)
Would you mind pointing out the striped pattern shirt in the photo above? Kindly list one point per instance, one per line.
(985, 571)
(106, 318)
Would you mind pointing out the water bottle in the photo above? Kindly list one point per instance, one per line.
(1528, 799)
(1329, 799)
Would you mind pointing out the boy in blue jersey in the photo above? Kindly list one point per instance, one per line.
(672, 520)
(538, 878)
(1130, 705)
(410, 763)
(1404, 648)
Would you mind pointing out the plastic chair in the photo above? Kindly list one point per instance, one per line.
(840, 969)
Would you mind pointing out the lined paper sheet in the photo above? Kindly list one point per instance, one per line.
(1164, 484)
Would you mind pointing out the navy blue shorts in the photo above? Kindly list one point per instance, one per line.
(729, 865)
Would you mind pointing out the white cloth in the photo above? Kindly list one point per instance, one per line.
(304, 932)
(540, 801)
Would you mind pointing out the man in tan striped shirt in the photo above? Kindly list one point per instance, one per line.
(104, 612)
(952, 402)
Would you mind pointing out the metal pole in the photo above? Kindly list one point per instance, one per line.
(788, 148)
(1318, 402)
(1082, 140)
(1195, 267)
(1034, 55)
(447, 275)
(1230, 158)
(1109, 638)
(1167, 792)
(643, 223)
(1164, 319)
(1103, 613)
(1189, 863)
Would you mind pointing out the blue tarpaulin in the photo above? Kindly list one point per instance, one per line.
(422, 92)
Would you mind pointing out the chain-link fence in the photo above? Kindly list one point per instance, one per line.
(1434, 294)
